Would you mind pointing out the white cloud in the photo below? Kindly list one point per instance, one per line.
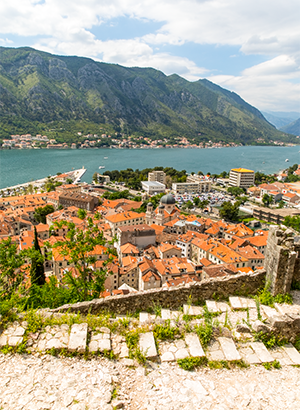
(273, 85)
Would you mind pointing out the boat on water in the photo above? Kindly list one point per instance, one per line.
(287, 160)
(105, 157)
(101, 167)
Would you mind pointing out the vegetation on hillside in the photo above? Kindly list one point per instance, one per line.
(61, 96)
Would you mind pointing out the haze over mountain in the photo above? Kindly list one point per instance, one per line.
(37, 87)
(280, 119)
(292, 128)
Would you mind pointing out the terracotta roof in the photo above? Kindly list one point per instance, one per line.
(124, 216)
(128, 260)
(129, 248)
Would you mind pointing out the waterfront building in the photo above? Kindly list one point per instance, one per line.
(157, 176)
(191, 187)
(241, 177)
(153, 187)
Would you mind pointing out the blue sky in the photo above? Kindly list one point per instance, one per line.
(252, 48)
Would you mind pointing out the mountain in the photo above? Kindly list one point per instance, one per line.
(280, 119)
(41, 92)
(292, 128)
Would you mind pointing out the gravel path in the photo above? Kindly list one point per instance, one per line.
(46, 382)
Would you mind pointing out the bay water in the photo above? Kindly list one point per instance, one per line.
(20, 166)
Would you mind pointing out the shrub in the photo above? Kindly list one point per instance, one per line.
(165, 331)
(189, 363)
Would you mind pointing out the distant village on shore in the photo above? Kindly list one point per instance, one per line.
(117, 141)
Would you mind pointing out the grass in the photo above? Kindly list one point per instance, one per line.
(272, 365)
(266, 298)
(205, 330)
(270, 340)
(165, 331)
(132, 340)
(190, 363)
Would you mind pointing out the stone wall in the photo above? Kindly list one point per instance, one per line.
(172, 298)
(282, 259)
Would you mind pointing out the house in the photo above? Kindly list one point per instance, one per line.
(129, 218)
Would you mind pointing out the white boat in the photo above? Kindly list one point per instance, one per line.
(101, 167)
(286, 160)
(105, 157)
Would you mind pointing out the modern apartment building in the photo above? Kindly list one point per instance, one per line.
(157, 176)
(241, 177)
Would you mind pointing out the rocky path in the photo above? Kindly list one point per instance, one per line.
(45, 382)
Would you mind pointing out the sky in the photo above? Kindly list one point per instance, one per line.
(249, 47)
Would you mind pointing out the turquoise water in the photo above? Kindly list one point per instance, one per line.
(19, 166)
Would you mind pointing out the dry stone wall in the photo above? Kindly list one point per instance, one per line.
(172, 298)
(282, 261)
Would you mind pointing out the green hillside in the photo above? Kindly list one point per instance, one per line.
(62, 95)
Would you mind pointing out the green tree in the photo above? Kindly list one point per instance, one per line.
(229, 211)
(41, 213)
(81, 214)
(293, 222)
(78, 246)
(95, 177)
(37, 271)
(11, 274)
(188, 205)
(196, 201)
(280, 204)
(267, 199)
(203, 204)
(235, 190)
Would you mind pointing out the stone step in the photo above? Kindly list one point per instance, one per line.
(229, 349)
(166, 314)
(268, 311)
(280, 354)
(214, 351)
(248, 303)
(194, 345)
(55, 337)
(144, 317)
(12, 336)
(287, 309)
(261, 351)
(100, 341)
(223, 307)
(171, 351)
(292, 353)
(212, 306)
(192, 310)
(248, 355)
(235, 302)
(147, 345)
(78, 337)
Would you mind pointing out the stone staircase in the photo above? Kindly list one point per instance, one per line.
(232, 339)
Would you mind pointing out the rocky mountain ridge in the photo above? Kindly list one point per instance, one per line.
(43, 88)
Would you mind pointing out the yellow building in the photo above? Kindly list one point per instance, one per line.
(241, 177)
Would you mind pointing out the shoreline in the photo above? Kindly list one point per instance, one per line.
(288, 145)
(39, 182)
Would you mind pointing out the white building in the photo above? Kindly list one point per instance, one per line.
(241, 177)
(153, 187)
(191, 187)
